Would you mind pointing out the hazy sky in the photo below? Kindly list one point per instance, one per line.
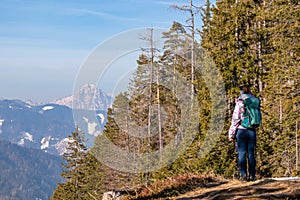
(43, 43)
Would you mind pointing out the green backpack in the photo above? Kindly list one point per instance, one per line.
(252, 115)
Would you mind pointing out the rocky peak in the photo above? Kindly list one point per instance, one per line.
(89, 97)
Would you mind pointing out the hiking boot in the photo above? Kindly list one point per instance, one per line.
(252, 178)
(243, 178)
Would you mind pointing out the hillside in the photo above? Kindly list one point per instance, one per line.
(206, 187)
(27, 173)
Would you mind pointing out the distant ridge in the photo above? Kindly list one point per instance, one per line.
(47, 126)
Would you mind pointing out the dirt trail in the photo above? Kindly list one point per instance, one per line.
(234, 189)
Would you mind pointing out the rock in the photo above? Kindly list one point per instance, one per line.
(113, 195)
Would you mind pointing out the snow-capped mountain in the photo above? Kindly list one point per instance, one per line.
(34, 126)
(87, 98)
(48, 126)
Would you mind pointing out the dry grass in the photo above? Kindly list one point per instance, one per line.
(171, 187)
(208, 187)
(261, 189)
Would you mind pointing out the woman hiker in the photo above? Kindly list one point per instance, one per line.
(245, 137)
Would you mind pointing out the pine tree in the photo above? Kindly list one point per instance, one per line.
(117, 129)
(256, 42)
(176, 60)
(231, 38)
(206, 16)
(79, 170)
(173, 61)
(282, 111)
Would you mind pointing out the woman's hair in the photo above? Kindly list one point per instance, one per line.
(245, 89)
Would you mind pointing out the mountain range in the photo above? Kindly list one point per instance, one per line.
(34, 136)
(48, 126)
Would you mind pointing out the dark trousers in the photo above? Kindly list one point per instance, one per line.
(246, 142)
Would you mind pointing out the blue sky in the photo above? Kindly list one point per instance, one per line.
(43, 43)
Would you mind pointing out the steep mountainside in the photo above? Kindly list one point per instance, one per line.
(27, 173)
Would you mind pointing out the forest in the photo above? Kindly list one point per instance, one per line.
(175, 117)
(27, 173)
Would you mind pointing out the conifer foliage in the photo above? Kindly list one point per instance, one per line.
(257, 43)
(79, 171)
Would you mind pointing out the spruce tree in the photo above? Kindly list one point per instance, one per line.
(79, 170)
(230, 38)
(257, 43)
(116, 131)
(282, 91)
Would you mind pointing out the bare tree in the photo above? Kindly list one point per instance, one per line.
(153, 51)
(192, 10)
